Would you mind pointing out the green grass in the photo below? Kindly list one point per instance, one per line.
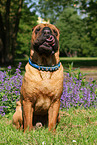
(77, 125)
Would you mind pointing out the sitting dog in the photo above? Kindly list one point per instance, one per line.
(42, 84)
(17, 117)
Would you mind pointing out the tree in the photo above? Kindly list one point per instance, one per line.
(71, 29)
(92, 25)
(27, 22)
(89, 10)
(10, 13)
(51, 9)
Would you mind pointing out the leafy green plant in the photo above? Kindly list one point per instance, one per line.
(10, 85)
(71, 71)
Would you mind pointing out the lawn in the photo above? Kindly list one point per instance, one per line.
(77, 126)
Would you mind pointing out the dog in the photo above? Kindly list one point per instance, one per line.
(17, 120)
(42, 84)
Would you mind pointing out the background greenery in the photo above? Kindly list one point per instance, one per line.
(78, 33)
(76, 20)
(27, 22)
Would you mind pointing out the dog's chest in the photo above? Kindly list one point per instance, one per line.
(46, 75)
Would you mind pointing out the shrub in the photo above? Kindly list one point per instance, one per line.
(9, 89)
(76, 92)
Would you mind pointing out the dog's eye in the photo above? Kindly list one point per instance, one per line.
(55, 32)
(37, 30)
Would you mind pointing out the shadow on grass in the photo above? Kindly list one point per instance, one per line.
(80, 63)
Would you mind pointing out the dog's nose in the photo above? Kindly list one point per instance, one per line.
(46, 32)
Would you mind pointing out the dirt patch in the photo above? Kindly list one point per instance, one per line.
(91, 72)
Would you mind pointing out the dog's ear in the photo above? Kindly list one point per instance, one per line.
(57, 29)
(33, 28)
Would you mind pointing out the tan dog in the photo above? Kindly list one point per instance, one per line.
(43, 81)
(17, 117)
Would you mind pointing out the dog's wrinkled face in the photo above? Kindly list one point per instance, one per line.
(46, 38)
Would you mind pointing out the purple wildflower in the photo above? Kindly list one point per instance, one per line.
(9, 67)
(78, 93)
(10, 85)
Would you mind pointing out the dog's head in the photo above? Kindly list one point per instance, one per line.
(45, 39)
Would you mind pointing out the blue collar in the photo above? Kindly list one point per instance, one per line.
(45, 68)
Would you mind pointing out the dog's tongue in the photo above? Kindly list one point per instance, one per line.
(50, 40)
(48, 45)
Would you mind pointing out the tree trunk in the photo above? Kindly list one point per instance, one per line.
(8, 30)
(2, 40)
(7, 25)
(14, 36)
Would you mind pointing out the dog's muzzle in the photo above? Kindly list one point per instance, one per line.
(46, 43)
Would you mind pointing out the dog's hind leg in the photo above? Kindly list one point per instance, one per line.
(27, 115)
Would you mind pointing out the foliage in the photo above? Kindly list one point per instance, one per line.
(27, 22)
(76, 92)
(18, 17)
(85, 41)
(9, 89)
(71, 71)
(10, 16)
(90, 8)
(52, 9)
(71, 28)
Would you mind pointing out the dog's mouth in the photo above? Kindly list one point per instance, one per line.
(47, 45)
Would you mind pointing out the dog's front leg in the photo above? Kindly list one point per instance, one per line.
(27, 115)
(53, 115)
